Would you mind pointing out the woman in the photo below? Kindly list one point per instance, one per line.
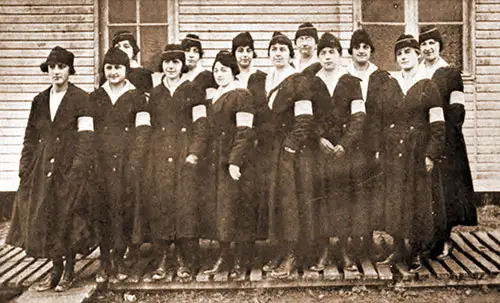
(199, 76)
(140, 77)
(179, 132)
(367, 174)
(122, 127)
(461, 201)
(413, 139)
(291, 154)
(51, 208)
(342, 116)
(232, 211)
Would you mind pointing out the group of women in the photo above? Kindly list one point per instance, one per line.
(237, 155)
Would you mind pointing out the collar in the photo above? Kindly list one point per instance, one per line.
(300, 67)
(331, 83)
(222, 90)
(271, 82)
(242, 79)
(172, 89)
(428, 71)
(114, 97)
(407, 83)
(191, 75)
(360, 74)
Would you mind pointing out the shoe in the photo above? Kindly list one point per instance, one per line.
(349, 264)
(285, 269)
(271, 265)
(416, 264)
(102, 275)
(391, 259)
(51, 280)
(217, 267)
(65, 283)
(183, 271)
(447, 249)
(161, 271)
(238, 269)
(121, 271)
(322, 261)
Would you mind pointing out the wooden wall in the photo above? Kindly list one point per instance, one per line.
(29, 29)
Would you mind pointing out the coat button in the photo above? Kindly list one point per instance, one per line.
(52, 160)
(401, 141)
(49, 174)
(392, 126)
(183, 129)
(57, 139)
(283, 124)
(223, 133)
(400, 155)
(114, 169)
(170, 159)
(105, 128)
(126, 129)
(412, 128)
(115, 156)
(39, 140)
(163, 128)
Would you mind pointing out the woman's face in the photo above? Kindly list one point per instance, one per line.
(430, 49)
(244, 56)
(306, 45)
(115, 73)
(329, 58)
(172, 68)
(192, 56)
(222, 74)
(280, 55)
(126, 47)
(407, 58)
(59, 73)
(361, 53)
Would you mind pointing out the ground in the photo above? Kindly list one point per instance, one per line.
(489, 219)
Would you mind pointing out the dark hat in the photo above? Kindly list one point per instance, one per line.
(59, 55)
(406, 41)
(172, 52)
(243, 39)
(227, 59)
(192, 40)
(358, 37)
(281, 39)
(115, 55)
(126, 35)
(329, 40)
(430, 32)
(307, 29)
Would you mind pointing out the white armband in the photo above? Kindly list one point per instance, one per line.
(303, 107)
(457, 97)
(358, 106)
(142, 118)
(244, 119)
(209, 93)
(199, 111)
(436, 114)
(85, 123)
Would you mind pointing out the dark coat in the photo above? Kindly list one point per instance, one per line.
(407, 138)
(141, 78)
(204, 80)
(461, 201)
(121, 148)
(340, 175)
(229, 210)
(52, 206)
(171, 188)
(292, 200)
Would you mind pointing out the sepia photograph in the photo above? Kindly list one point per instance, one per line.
(256, 151)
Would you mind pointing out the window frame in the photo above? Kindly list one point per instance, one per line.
(411, 25)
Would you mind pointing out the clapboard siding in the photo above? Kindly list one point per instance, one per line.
(29, 29)
(217, 22)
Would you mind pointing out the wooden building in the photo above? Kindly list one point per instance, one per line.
(30, 28)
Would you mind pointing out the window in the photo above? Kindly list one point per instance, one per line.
(151, 22)
(385, 20)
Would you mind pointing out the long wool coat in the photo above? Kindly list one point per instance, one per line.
(52, 205)
(339, 174)
(460, 198)
(292, 200)
(407, 138)
(121, 148)
(171, 190)
(230, 211)
(141, 78)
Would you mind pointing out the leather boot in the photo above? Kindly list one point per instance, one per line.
(286, 267)
(397, 255)
(68, 276)
(416, 263)
(53, 279)
(221, 261)
(447, 248)
(161, 270)
(120, 268)
(322, 261)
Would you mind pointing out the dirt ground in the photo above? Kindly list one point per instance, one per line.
(489, 219)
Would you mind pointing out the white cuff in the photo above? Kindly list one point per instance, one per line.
(199, 111)
(358, 106)
(457, 97)
(142, 118)
(436, 114)
(303, 107)
(85, 123)
(209, 93)
(244, 119)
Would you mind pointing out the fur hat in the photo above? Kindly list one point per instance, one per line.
(307, 29)
(406, 40)
(115, 55)
(430, 32)
(126, 35)
(192, 40)
(59, 55)
(243, 39)
(227, 59)
(358, 37)
(172, 52)
(329, 40)
(281, 39)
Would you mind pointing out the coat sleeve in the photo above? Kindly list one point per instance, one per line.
(245, 133)
(356, 112)
(200, 134)
(31, 137)
(142, 131)
(303, 127)
(451, 86)
(436, 142)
